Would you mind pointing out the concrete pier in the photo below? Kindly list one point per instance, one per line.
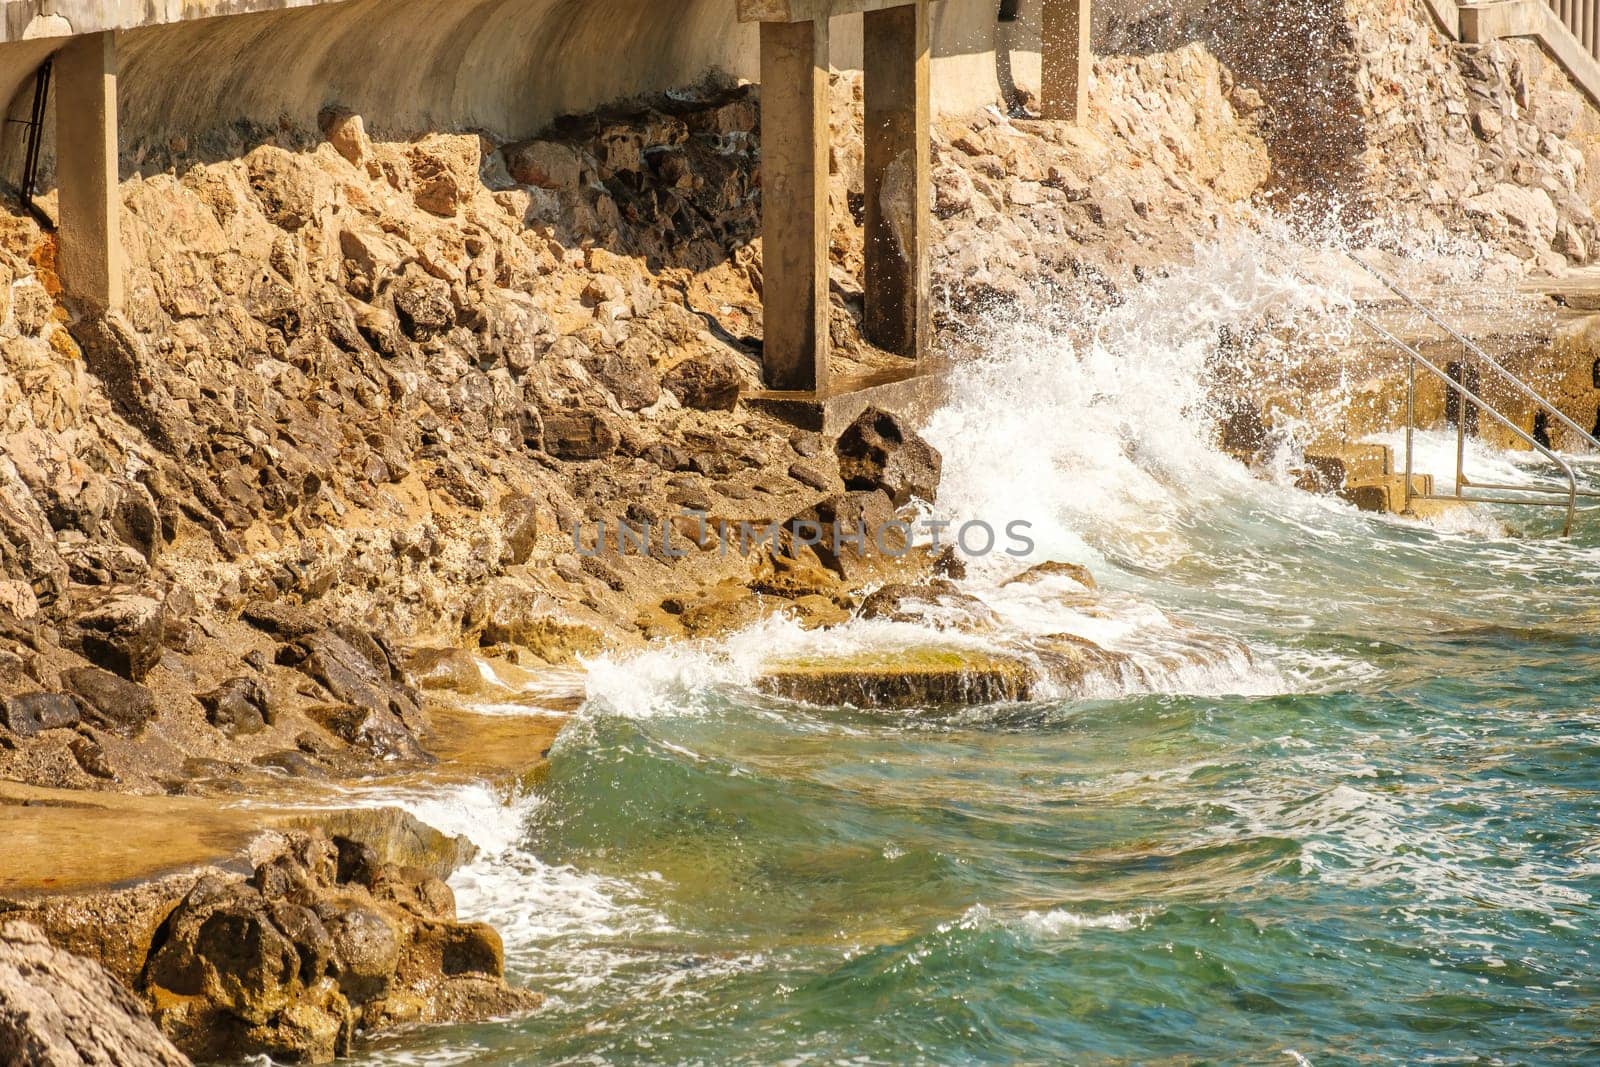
(157, 72)
(896, 75)
(896, 62)
(86, 170)
(1066, 58)
(794, 192)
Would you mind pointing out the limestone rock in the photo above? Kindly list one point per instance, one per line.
(124, 634)
(116, 703)
(579, 435)
(377, 706)
(347, 133)
(291, 196)
(705, 383)
(877, 451)
(444, 169)
(239, 706)
(919, 678)
(57, 1010)
(545, 164)
(324, 941)
(28, 714)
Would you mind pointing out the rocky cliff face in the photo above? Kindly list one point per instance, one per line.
(363, 392)
(57, 1010)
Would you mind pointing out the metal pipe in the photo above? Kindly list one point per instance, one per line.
(1471, 346)
(1495, 500)
(1411, 424)
(1467, 394)
(1532, 489)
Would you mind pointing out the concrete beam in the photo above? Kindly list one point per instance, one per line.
(896, 54)
(810, 10)
(1067, 57)
(90, 230)
(794, 203)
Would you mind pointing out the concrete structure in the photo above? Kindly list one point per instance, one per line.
(138, 72)
(86, 139)
(1569, 30)
(896, 66)
(1067, 60)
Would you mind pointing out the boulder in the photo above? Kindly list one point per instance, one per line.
(58, 1010)
(324, 941)
(878, 451)
(578, 434)
(114, 702)
(705, 382)
(454, 669)
(347, 133)
(546, 164)
(903, 679)
(239, 706)
(30, 713)
(1051, 568)
(423, 305)
(627, 375)
(444, 172)
(290, 194)
(377, 706)
(937, 603)
(124, 634)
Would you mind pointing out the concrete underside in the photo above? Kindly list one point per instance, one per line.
(507, 67)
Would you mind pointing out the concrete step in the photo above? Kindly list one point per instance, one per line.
(1331, 467)
(1386, 493)
(1364, 474)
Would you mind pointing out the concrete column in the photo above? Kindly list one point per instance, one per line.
(897, 180)
(794, 203)
(86, 170)
(1067, 59)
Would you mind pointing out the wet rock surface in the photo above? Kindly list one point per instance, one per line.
(323, 942)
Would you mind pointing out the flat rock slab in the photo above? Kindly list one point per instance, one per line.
(899, 680)
(63, 841)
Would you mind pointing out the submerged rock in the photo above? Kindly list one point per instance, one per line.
(899, 680)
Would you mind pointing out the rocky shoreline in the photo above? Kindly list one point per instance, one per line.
(260, 533)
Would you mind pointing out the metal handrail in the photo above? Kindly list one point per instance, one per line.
(1473, 347)
(1416, 358)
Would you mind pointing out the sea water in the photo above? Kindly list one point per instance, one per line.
(1374, 840)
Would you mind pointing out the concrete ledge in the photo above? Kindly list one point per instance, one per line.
(809, 10)
(1446, 15)
(1513, 18)
(1568, 51)
(1480, 23)
(911, 395)
(26, 20)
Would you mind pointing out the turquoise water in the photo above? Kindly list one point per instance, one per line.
(1377, 843)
